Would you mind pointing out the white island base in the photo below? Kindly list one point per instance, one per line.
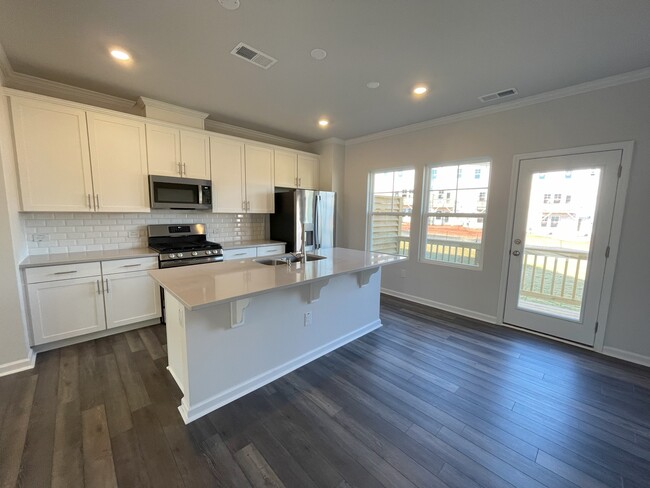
(223, 351)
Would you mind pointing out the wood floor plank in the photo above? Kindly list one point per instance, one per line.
(99, 469)
(68, 459)
(257, 470)
(151, 343)
(14, 430)
(134, 341)
(580, 478)
(118, 413)
(68, 389)
(136, 393)
(222, 463)
(130, 467)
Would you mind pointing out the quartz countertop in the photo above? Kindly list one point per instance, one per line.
(85, 257)
(256, 243)
(209, 284)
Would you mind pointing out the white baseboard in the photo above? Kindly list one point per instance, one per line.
(627, 355)
(442, 306)
(194, 412)
(20, 365)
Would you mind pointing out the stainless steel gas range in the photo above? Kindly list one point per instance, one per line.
(183, 245)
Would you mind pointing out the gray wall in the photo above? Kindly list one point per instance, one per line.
(13, 340)
(609, 115)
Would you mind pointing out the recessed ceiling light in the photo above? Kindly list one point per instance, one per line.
(318, 54)
(420, 90)
(323, 122)
(229, 4)
(120, 55)
(372, 84)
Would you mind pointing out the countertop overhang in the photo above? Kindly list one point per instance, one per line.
(210, 284)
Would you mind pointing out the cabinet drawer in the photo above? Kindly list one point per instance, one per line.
(270, 250)
(126, 265)
(243, 253)
(62, 272)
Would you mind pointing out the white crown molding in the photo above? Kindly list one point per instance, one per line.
(624, 78)
(144, 102)
(244, 133)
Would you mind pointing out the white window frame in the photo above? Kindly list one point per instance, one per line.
(369, 200)
(425, 214)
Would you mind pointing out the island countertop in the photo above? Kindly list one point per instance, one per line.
(208, 284)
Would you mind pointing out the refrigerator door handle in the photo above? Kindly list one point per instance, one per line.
(317, 223)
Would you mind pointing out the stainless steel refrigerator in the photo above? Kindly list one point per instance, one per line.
(307, 214)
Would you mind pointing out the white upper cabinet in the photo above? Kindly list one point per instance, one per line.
(178, 152)
(296, 170)
(259, 179)
(227, 159)
(53, 156)
(286, 164)
(243, 177)
(308, 168)
(118, 154)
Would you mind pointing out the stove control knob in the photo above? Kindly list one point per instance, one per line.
(172, 256)
(208, 252)
(194, 253)
(180, 254)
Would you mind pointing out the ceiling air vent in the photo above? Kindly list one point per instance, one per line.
(252, 55)
(510, 92)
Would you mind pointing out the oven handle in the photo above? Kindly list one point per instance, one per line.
(188, 262)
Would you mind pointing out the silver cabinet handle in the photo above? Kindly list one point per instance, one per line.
(107, 289)
(240, 254)
(180, 168)
(296, 179)
(131, 265)
(243, 205)
(248, 205)
(64, 272)
(184, 170)
(300, 182)
(99, 291)
(90, 205)
(97, 201)
(516, 253)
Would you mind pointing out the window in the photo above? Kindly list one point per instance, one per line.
(452, 229)
(544, 221)
(390, 206)
(567, 199)
(554, 220)
(547, 198)
(557, 198)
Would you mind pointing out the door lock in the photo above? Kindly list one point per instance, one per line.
(517, 241)
(516, 253)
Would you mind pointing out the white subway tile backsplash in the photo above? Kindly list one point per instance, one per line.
(79, 232)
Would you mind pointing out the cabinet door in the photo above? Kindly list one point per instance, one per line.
(259, 179)
(66, 308)
(130, 298)
(286, 164)
(227, 162)
(53, 156)
(195, 155)
(163, 150)
(308, 169)
(119, 160)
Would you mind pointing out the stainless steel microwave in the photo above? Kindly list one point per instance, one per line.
(170, 192)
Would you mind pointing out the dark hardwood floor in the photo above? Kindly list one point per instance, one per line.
(431, 399)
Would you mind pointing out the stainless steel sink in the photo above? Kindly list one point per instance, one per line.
(283, 259)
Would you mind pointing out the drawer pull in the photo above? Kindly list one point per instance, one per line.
(131, 265)
(99, 290)
(240, 254)
(64, 272)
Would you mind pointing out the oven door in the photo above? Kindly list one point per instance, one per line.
(190, 261)
(167, 192)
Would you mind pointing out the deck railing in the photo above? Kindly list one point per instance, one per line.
(554, 274)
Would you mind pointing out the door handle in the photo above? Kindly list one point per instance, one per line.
(90, 205)
(180, 168)
(97, 201)
(107, 289)
(184, 170)
(516, 253)
(99, 291)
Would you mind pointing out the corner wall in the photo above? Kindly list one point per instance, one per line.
(15, 353)
(613, 114)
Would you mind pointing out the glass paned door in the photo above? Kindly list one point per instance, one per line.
(561, 232)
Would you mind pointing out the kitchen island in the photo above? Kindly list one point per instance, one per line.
(235, 326)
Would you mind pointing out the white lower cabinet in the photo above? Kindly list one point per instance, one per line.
(252, 252)
(66, 308)
(76, 299)
(130, 298)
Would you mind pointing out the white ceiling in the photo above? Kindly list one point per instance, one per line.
(461, 48)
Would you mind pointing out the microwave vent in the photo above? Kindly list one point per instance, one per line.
(252, 55)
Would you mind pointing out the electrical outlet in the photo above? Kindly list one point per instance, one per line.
(134, 233)
(39, 237)
(307, 319)
(402, 273)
